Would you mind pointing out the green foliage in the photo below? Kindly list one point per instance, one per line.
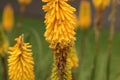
(43, 56)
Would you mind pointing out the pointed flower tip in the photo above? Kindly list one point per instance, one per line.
(20, 39)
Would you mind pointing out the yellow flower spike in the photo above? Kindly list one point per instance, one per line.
(73, 58)
(24, 2)
(20, 61)
(60, 21)
(8, 18)
(101, 4)
(85, 15)
(4, 44)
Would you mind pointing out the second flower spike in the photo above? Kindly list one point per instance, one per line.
(20, 62)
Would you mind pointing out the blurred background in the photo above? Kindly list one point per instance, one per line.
(34, 10)
(33, 27)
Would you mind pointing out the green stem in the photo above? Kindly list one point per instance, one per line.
(73, 78)
(22, 11)
(111, 35)
(97, 25)
(83, 43)
(4, 67)
(20, 20)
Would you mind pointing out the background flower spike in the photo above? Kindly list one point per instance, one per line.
(8, 18)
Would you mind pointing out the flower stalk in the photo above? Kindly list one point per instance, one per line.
(97, 25)
(3, 49)
(100, 7)
(23, 6)
(111, 35)
(84, 21)
(4, 68)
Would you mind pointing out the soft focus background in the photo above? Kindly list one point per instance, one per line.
(34, 10)
(33, 28)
